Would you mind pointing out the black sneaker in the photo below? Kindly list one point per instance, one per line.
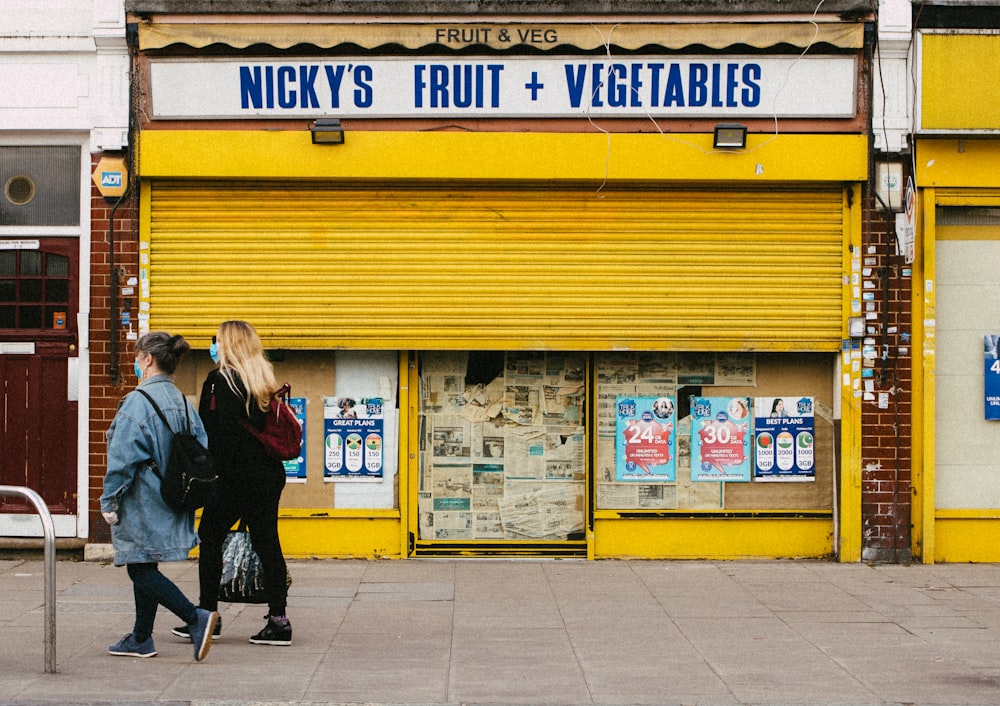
(185, 632)
(276, 632)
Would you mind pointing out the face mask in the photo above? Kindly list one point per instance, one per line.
(138, 371)
(213, 350)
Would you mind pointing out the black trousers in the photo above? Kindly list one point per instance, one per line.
(260, 512)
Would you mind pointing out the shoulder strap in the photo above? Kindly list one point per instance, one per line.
(152, 463)
(160, 412)
(156, 407)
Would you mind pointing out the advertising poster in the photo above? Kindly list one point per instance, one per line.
(720, 439)
(785, 442)
(991, 373)
(295, 469)
(645, 441)
(353, 431)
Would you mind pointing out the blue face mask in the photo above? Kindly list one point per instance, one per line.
(213, 350)
(138, 371)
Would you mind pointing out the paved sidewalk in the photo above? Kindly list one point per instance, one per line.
(530, 632)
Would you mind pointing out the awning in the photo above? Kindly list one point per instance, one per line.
(502, 36)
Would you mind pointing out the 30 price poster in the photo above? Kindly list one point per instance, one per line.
(645, 441)
(785, 441)
(720, 439)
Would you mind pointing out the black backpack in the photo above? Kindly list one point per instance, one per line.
(190, 477)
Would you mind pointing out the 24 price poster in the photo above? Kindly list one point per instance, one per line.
(720, 439)
(785, 442)
(645, 439)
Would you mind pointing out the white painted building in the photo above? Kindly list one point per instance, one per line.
(64, 73)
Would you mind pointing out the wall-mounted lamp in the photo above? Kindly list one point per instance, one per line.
(327, 131)
(730, 136)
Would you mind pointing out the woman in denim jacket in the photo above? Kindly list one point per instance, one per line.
(144, 530)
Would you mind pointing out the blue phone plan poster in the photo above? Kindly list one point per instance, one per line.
(645, 441)
(991, 377)
(720, 439)
(785, 441)
(353, 435)
(296, 468)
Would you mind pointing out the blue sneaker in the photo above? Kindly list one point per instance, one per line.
(128, 646)
(184, 631)
(201, 632)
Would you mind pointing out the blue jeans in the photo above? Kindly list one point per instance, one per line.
(152, 589)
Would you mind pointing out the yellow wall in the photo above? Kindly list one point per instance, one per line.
(714, 538)
(966, 536)
(958, 81)
(950, 172)
(511, 157)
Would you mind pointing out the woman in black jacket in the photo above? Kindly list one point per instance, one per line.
(240, 390)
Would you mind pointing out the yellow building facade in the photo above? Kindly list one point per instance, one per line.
(506, 243)
(957, 507)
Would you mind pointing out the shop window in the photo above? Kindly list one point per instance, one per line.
(726, 409)
(967, 216)
(503, 452)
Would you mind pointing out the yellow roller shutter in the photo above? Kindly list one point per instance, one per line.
(596, 269)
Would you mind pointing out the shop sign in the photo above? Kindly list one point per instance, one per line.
(785, 439)
(634, 86)
(31, 244)
(906, 224)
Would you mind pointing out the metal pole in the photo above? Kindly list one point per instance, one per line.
(50, 568)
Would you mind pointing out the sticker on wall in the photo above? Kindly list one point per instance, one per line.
(785, 441)
(645, 441)
(720, 439)
(353, 434)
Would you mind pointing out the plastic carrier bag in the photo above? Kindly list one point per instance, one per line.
(242, 572)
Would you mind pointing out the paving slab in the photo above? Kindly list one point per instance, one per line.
(559, 632)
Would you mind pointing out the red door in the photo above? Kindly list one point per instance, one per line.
(38, 338)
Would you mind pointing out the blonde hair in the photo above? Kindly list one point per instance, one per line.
(242, 353)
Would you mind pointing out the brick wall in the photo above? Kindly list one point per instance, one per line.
(885, 444)
(104, 393)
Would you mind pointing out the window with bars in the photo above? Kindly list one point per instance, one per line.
(34, 290)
